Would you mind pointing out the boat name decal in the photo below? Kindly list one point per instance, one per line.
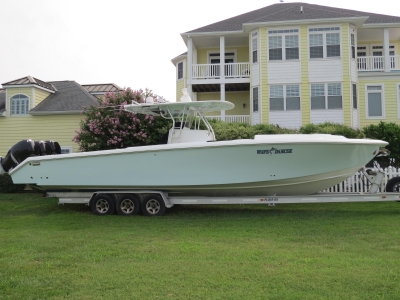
(275, 151)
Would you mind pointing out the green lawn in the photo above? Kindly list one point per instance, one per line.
(298, 251)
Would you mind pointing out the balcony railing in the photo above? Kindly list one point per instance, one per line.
(232, 118)
(210, 71)
(377, 63)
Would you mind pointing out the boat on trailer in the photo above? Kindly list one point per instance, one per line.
(193, 164)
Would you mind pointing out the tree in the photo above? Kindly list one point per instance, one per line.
(389, 132)
(109, 126)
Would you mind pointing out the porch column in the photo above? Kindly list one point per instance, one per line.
(386, 56)
(222, 99)
(189, 65)
(222, 56)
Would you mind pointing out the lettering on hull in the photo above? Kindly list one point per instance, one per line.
(275, 151)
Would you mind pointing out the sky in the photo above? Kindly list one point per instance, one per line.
(129, 43)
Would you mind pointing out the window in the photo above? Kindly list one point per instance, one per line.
(326, 96)
(19, 104)
(66, 149)
(284, 97)
(325, 43)
(354, 93)
(283, 44)
(353, 46)
(374, 101)
(180, 70)
(255, 99)
(254, 47)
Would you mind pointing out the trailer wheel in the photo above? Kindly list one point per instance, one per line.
(393, 185)
(153, 205)
(103, 205)
(128, 205)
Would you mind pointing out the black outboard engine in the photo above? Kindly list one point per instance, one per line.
(27, 148)
(17, 154)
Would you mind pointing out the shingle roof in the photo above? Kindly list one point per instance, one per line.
(291, 12)
(70, 96)
(2, 100)
(31, 80)
(102, 88)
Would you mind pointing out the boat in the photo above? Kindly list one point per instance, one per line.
(193, 163)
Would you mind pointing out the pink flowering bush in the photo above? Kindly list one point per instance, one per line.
(109, 126)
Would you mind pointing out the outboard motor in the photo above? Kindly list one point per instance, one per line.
(24, 149)
(17, 154)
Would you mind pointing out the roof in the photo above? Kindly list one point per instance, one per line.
(70, 97)
(31, 80)
(2, 100)
(281, 12)
(102, 88)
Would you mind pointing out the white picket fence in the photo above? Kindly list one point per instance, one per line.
(358, 182)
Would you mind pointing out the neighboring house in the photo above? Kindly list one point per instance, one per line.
(34, 109)
(296, 63)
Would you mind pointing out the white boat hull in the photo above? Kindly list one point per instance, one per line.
(282, 165)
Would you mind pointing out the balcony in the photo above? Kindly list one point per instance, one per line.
(212, 71)
(377, 63)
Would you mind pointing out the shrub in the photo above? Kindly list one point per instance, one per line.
(389, 132)
(333, 128)
(232, 131)
(7, 185)
(109, 126)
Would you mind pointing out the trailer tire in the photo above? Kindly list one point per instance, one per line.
(153, 205)
(393, 185)
(103, 205)
(128, 205)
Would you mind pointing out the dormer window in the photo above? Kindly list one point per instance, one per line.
(19, 105)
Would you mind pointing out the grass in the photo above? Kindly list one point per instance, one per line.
(299, 251)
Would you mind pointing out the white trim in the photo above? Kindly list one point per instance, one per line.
(383, 101)
(324, 45)
(283, 47)
(284, 96)
(69, 148)
(29, 104)
(257, 38)
(29, 85)
(326, 95)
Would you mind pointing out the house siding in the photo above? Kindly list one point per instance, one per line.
(305, 85)
(263, 81)
(237, 98)
(242, 54)
(60, 128)
(39, 96)
(346, 86)
(390, 96)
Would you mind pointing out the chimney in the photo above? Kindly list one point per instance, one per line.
(301, 9)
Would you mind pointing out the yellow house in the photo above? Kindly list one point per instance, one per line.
(296, 63)
(31, 108)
